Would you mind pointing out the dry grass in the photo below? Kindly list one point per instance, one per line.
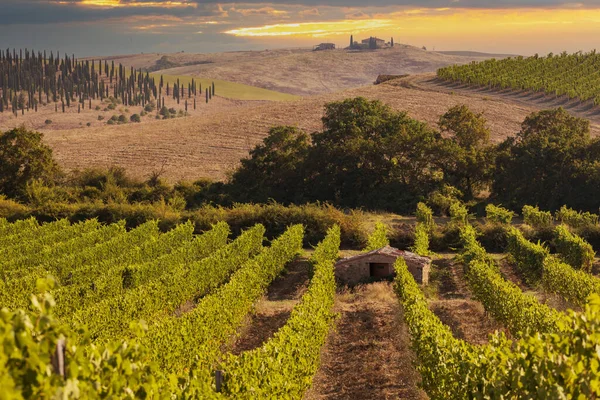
(302, 71)
(368, 356)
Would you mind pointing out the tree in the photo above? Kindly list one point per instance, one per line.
(466, 156)
(547, 163)
(369, 155)
(274, 169)
(23, 159)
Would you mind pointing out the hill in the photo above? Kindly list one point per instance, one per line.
(300, 71)
(209, 145)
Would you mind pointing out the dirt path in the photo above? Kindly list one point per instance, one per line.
(368, 356)
(452, 303)
(273, 310)
(586, 110)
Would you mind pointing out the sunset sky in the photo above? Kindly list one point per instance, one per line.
(105, 27)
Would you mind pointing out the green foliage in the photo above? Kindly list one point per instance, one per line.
(573, 249)
(528, 257)
(553, 153)
(538, 219)
(175, 342)
(135, 118)
(170, 289)
(421, 246)
(443, 361)
(459, 214)
(24, 158)
(466, 158)
(573, 285)
(521, 313)
(275, 168)
(472, 250)
(498, 215)
(285, 365)
(441, 200)
(378, 238)
(424, 216)
(576, 219)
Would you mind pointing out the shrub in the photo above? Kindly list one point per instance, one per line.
(421, 246)
(89, 124)
(441, 200)
(110, 122)
(529, 257)
(536, 218)
(576, 219)
(424, 216)
(25, 157)
(112, 106)
(97, 108)
(122, 119)
(100, 117)
(135, 118)
(498, 215)
(573, 249)
(48, 121)
(379, 237)
(459, 213)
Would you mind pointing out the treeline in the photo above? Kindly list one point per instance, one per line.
(366, 157)
(369, 156)
(29, 79)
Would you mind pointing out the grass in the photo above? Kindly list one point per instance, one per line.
(229, 90)
(226, 89)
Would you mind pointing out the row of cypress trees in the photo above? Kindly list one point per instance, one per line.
(29, 79)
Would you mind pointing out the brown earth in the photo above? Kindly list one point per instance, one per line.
(273, 310)
(368, 356)
(453, 304)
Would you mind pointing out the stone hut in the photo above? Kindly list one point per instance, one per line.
(380, 264)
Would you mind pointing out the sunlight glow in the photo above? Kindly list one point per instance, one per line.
(313, 29)
(121, 4)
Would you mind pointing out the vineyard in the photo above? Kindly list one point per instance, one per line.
(93, 286)
(100, 311)
(576, 76)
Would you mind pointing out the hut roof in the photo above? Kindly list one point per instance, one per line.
(385, 251)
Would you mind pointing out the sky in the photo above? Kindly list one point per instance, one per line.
(112, 27)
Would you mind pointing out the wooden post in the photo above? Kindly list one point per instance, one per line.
(58, 358)
(218, 380)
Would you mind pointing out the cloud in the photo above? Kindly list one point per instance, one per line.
(265, 11)
(310, 12)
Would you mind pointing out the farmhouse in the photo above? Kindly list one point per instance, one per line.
(380, 264)
(379, 42)
(324, 46)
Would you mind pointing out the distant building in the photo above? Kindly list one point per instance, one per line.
(324, 46)
(379, 42)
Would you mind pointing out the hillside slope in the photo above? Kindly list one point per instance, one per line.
(301, 71)
(210, 145)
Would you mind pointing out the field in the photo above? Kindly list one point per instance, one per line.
(234, 305)
(301, 71)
